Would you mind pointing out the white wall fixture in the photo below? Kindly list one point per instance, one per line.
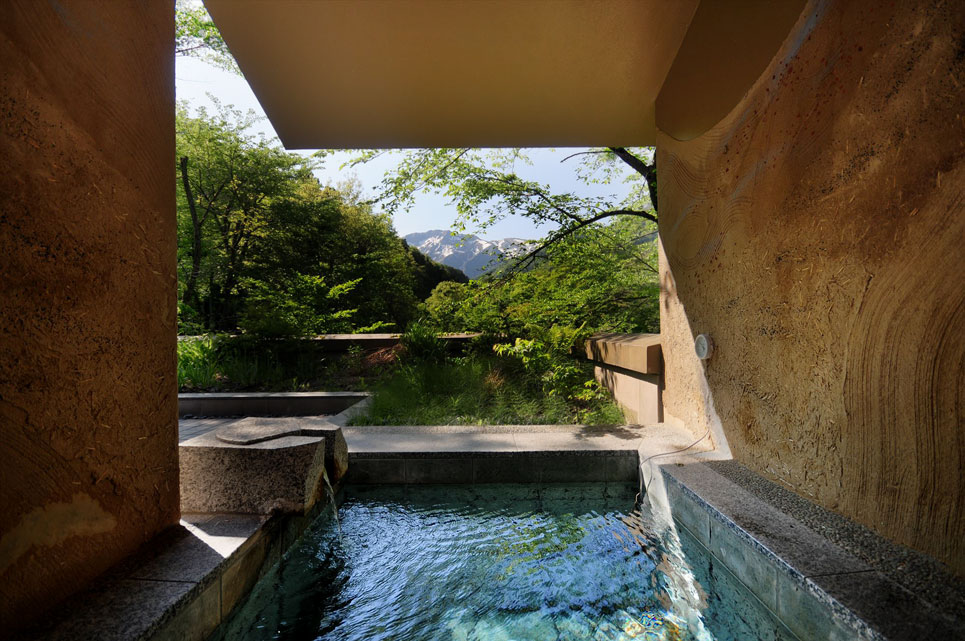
(704, 346)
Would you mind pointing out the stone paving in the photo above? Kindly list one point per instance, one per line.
(188, 428)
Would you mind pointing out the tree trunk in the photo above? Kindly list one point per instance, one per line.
(191, 287)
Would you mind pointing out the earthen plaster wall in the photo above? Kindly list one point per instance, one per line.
(88, 404)
(818, 234)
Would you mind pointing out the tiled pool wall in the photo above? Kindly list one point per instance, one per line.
(596, 466)
(792, 576)
(700, 525)
(814, 587)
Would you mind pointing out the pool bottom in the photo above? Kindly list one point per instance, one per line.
(494, 563)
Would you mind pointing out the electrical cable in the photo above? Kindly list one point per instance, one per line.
(646, 487)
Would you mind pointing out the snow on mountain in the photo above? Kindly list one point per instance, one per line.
(473, 255)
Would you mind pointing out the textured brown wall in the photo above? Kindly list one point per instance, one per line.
(818, 234)
(88, 405)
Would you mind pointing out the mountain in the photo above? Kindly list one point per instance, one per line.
(468, 253)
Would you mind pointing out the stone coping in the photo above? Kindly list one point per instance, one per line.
(250, 430)
(246, 395)
(915, 571)
(342, 342)
(533, 454)
(238, 404)
(374, 337)
(639, 353)
(256, 429)
(431, 441)
(819, 590)
(633, 431)
(181, 585)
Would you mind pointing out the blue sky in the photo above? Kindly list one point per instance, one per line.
(194, 79)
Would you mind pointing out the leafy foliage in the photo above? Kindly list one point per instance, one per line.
(264, 248)
(601, 279)
(220, 362)
(475, 390)
(420, 343)
(196, 36)
(485, 187)
(429, 273)
(596, 271)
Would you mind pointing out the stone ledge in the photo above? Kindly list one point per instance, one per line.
(265, 404)
(282, 474)
(419, 441)
(917, 572)
(631, 367)
(632, 430)
(536, 469)
(495, 454)
(255, 430)
(343, 342)
(817, 589)
(443, 452)
(182, 584)
(636, 353)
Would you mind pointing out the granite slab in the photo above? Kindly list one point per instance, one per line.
(281, 474)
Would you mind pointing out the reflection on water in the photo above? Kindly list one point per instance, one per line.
(484, 563)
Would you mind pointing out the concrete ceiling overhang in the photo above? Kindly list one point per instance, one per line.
(456, 73)
(728, 45)
(490, 73)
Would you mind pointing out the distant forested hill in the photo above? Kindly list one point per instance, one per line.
(429, 273)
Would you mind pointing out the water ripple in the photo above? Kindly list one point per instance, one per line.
(451, 565)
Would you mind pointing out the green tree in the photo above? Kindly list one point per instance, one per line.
(485, 187)
(196, 36)
(444, 306)
(265, 248)
(601, 278)
(429, 273)
(230, 180)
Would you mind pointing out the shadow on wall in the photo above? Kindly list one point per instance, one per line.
(816, 233)
(687, 398)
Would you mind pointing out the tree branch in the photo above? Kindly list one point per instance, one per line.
(585, 153)
(649, 172)
(180, 52)
(635, 163)
(528, 259)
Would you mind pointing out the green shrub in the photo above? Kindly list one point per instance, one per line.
(477, 390)
(548, 358)
(196, 362)
(420, 343)
(245, 362)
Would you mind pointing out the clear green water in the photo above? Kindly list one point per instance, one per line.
(492, 563)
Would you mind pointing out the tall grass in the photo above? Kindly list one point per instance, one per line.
(211, 363)
(196, 362)
(475, 390)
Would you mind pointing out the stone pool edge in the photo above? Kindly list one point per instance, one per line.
(221, 404)
(182, 585)
(811, 585)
